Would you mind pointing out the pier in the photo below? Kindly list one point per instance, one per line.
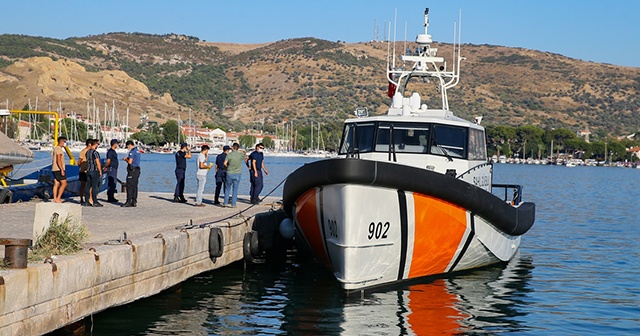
(132, 253)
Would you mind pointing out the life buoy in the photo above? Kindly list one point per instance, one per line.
(6, 196)
(216, 243)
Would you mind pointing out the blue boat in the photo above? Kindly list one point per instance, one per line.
(38, 183)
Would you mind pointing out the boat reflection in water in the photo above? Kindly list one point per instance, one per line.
(479, 301)
(299, 299)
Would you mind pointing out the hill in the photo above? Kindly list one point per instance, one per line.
(305, 79)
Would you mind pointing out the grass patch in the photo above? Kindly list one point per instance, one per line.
(61, 238)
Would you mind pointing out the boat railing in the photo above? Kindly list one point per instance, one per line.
(516, 189)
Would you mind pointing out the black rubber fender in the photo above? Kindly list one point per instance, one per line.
(216, 243)
(6, 196)
(250, 246)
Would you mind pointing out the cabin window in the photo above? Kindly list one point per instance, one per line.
(449, 141)
(357, 138)
(477, 145)
(407, 138)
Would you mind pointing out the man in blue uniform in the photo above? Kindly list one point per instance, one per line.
(181, 166)
(221, 173)
(111, 168)
(256, 166)
(133, 174)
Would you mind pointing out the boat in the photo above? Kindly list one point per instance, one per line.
(36, 183)
(411, 193)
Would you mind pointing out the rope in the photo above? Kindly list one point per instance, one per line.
(241, 211)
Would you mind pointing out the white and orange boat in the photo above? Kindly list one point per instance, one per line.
(411, 193)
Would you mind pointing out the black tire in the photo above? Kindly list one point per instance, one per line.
(246, 248)
(6, 196)
(216, 243)
(255, 243)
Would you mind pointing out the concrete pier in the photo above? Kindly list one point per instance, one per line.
(165, 244)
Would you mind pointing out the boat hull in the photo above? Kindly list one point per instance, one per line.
(371, 229)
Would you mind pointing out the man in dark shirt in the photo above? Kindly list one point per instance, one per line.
(133, 174)
(181, 166)
(221, 172)
(111, 168)
(256, 166)
(94, 173)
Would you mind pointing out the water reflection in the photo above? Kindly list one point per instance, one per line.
(481, 301)
(303, 299)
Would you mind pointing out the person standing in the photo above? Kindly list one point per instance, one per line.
(58, 170)
(94, 173)
(111, 168)
(201, 174)
(221, 173)
(181, 166)
(133, 174)
(82, 175)
(233, 162)
(256, 166)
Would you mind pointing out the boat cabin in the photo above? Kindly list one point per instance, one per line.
(450, 148)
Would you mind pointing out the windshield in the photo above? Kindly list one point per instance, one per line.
(407, 137)
(449, 140)
(358, 138)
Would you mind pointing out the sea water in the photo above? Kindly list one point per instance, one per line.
(576, 274)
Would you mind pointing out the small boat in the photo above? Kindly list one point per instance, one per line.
(411, 193)
(36, 183)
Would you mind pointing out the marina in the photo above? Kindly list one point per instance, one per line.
(409, 225)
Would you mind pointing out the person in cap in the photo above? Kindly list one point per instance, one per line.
(181, 167)
(133, 174)
(111, 168)
(201, 174)
(221, 173)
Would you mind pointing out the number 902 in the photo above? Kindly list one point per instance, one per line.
(379, 230)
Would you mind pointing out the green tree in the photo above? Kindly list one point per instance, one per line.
(148, 138)
(73, 129)
(170, 132)
(246, 140)
(268, 142)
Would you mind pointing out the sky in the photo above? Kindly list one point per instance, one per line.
(603, 31)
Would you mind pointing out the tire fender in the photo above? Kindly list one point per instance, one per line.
(216, 243)
(250, 246)
(6, 196)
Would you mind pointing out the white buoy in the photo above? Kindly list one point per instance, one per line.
(286, 228)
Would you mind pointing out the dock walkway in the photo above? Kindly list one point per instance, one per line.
(165, 245)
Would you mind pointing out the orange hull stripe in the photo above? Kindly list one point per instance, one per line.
(439, 227)
(307, 217)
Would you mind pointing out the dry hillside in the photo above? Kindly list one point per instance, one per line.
(305, 79)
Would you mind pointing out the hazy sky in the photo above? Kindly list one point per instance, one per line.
(599, 31)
